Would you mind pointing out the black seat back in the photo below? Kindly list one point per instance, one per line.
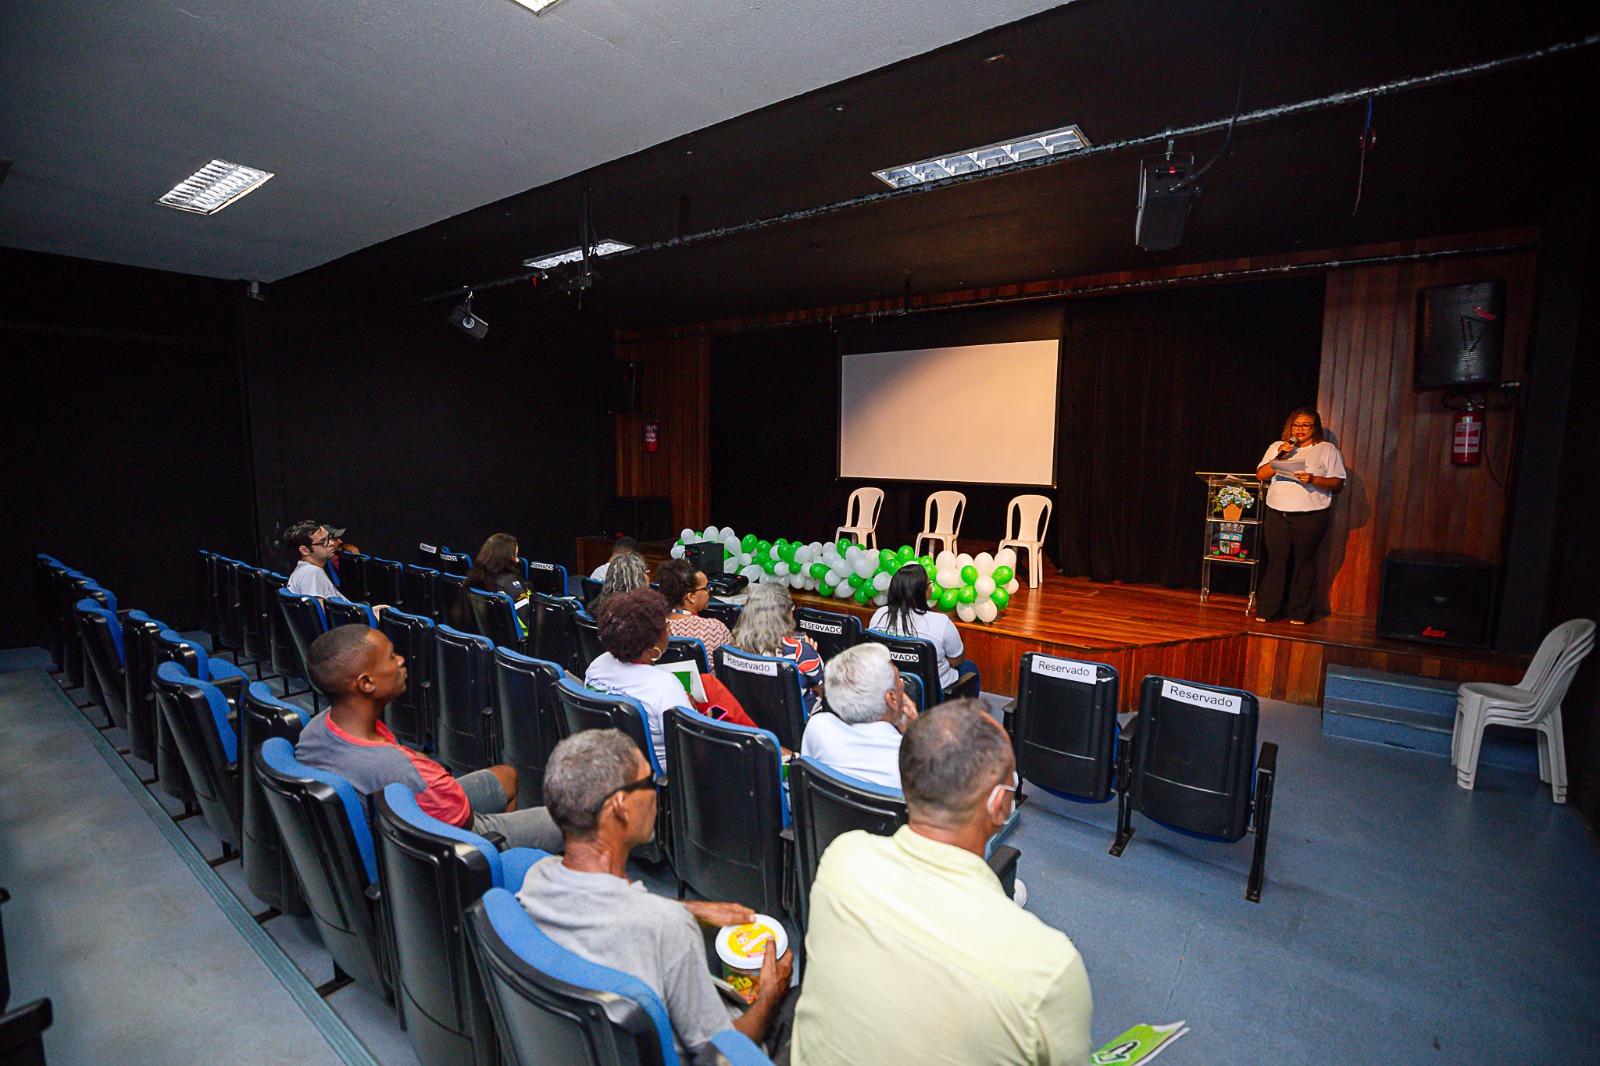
(428, 556)
(1064, 726)
(913, 655)
(457, 563)
(1194, 756)
(583, 708)
(384, 581)
(548, 578)
(267, 869)
(727, 809)
(768, 689)
(206, 595)
(285, 652)
(555, 637)
(830, 632)
(342, 612)
(410, 715)
(139, 632)
(171, 647)
(494, 615)
(529, 719)
(826, 804)
(589, 591)
(101, 633)
(586, 642)
(256, 607)
(305, 620)
(196, 714)
(416, 591)
(46, 605)
(726, 613)
(450, 601)
(232, 576)
(686, 650)
(324, 829)
(353, 576)
(463, 678)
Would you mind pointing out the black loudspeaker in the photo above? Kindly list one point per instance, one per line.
(627, 387)
(1436, 598)
(1166, 194)
(1460, 332)
(640, 517)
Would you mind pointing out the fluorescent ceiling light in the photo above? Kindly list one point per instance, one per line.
(989, 157)
(539, 7)
(213, 187)
(572, 255)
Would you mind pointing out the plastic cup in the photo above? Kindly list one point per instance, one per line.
(741, 949)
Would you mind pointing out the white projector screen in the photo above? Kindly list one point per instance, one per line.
(983, 413)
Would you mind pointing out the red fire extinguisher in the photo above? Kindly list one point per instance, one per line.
(652, 436)
(1466, 442)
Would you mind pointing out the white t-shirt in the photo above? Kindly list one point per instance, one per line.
(654, 688)
(600, 571)
(309, 579)
(870, 751)
(937, 627)
(1286, 494)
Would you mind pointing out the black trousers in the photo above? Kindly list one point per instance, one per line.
(1291, 565)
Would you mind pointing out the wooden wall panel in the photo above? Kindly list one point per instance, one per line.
(677, 374)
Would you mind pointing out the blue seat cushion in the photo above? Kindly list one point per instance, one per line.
(202, 660)
(278, 753)
(260, 691)
(93, 607)
(404, 804)
(215, 701)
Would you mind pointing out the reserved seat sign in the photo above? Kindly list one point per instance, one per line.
(1067, 669)
(1201, 697)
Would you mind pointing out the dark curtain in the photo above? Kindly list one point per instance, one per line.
(1160, 385)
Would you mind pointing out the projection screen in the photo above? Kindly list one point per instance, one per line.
(982, 413)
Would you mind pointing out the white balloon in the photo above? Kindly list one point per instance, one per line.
(796, 581)
(677, 551)
(984, 586)
(730, 566)
(986, 610)
(1013, 585)
(985, 564)
(731, 543)
(945, 559)
(966, 612)
(880, 582)
(963, 561)
(1006, 557)
(881, 600)
(949, 577)
(782, 569)
(745, 558)
(712, 533)
(687, 535)
(866, 565)
(843, 591)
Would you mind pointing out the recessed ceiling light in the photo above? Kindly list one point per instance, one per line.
(213, 187)
(989, 157)
(572, 255)
(539, 7)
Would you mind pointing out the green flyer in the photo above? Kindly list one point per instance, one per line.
(1139, 1044)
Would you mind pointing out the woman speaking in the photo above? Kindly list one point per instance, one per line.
(1299, 492)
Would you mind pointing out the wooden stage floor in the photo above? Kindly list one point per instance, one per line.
(1146, 629)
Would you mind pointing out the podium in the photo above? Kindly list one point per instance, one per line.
(1234, 505)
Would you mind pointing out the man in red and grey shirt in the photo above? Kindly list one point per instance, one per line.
(358, 668)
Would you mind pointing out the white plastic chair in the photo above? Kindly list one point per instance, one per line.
(1533, 703)
(941, 519)
(1026, 520)
(861, 516)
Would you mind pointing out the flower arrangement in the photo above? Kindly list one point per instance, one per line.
(1231, 500)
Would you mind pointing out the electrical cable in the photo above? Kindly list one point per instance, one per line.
(1238, 98)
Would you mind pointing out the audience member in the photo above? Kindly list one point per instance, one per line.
(602, 796)
(627, 573)
(907, 615)
(309, 546)
(914, 954)
(870, 708)
(687, 593)
(357, 667)
(498, 568)
(633, 631)
(623, 546)
(766, 627)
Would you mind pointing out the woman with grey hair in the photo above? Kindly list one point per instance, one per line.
(870, 710)
(766, 627)
(626, 573)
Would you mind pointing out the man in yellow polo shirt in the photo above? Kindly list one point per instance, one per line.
(915, 953)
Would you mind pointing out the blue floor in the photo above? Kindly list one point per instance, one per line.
(1403, 919)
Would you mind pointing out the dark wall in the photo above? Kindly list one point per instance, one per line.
(121, 426)
(377, 416)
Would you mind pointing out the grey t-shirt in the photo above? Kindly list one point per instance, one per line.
(618, 924)
(309, 579)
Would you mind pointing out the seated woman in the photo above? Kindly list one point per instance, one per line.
(907, 615)
(687, 593)
(626, 573)
(498, 568)
(766, 627)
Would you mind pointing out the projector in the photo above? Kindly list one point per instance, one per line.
(1166, 192)
(468, 321)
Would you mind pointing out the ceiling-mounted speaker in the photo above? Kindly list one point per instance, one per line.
(1166, 194)
(1460, 334)
(464, 318)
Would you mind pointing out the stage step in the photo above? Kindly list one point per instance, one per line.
(1418, 713)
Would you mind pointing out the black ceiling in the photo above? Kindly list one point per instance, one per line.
(1477, 152)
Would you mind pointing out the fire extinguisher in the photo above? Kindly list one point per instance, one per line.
(652, 434)
(1466, 441)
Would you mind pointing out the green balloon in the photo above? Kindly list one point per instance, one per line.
(969, 574)
(1001, 597)
(968, 594)
(726, 554)
(768, 565)
(885, 557)
(935, 590)
(948, 600)
(905, 553)
(930, 569)
(825, 588)
(843, 545)
(864, 594)
(856, 581)
(747, 543)
(819, 571)
(893, 566)
(764, 545)
(927, 562)
(1002, 575)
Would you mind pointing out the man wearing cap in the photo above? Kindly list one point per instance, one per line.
(338, 548)
(310, 546)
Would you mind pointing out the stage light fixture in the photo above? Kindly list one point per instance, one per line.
(464, 318)
(213, 187)
(572, 255)
(989, 157)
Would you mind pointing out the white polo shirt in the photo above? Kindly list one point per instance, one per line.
(1286, 494)
(937, 627)
(870, 751)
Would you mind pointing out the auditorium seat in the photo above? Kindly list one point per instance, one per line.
(429, 872)
(728, 810)
(768, 689)
(384, 582)
(196, 714)
(463, 684)
(267, 869)
(353, 577)
(416, 591)
(22, 1033)
(450, 600)
(324, 829)
(456, 563)
(941, 520)
(139, 633)
(919, 656)
(686, 650)
(551, 1005)
(339, 611)
(548, 578)
(411, 715)
(285, 660)
(830, 632)
(45, 614)
(589, 591)
(861, 516)
(255, 618)
(205, 583)
(101, 633)
(428, 555)
(305, 621)
(529, 719)
(583, 708)
(171, 647)
(555, 637)
(722, 611)
(494, 615)
(72, 586)
(1064, 726)
(1189, 762)
(229, 608)
(586, 645)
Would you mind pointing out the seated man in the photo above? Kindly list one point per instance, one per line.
(357, 667)
(870, 708)
(310, 546)
(602, 795)
(914, 952)
(623, 546)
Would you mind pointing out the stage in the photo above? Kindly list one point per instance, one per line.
(1146, 629)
